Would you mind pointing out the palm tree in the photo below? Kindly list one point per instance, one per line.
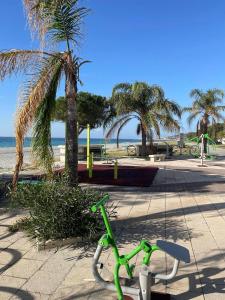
(205, 107)
(148, 105)
(56, 22)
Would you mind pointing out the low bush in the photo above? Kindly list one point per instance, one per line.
(57, 210)
(22, 224)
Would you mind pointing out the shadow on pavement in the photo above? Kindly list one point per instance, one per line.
(20, 294)
(15, 256)
(211, 281)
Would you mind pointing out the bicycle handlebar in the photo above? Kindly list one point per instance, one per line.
(102, 201)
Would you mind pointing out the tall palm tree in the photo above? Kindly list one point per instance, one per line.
(56, 22)
(148, 105)
(205, 107)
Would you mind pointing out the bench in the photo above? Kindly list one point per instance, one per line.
(157, 157)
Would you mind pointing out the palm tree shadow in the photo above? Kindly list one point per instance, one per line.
(207, 285)
(20, 294)
(206, 280)
(15, 256)
(133, 230)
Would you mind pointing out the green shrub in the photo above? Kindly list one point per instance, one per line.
(57, 211)
(21, 224)
(2, 189)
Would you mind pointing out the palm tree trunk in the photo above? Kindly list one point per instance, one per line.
(71, 156)
(151, 145)
(143, 140)
(205, 131)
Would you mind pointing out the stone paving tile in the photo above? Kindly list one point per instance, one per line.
(58, 263)
(203, 241)
(44, 282)
(24, 268)
(185, 281)
(80, 291)
(9, 257)
(211, 259)
(212, 276)
(43, 255)
(10, 237)
(5, 244)
(214, 292)
(9, 286)
(84, 274)
(23, 243)
(177, 295)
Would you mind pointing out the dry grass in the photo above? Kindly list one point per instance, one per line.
(116, 152)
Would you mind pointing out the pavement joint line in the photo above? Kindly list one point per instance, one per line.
(12, 276)
(41, 267)
(206, 221)
(192, 248)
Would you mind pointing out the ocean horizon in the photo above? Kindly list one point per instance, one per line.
(7, 142)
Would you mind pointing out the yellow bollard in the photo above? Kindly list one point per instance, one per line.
(116, 169)
(88, 145)
(91, 162)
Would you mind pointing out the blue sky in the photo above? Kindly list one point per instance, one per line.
(178, 44)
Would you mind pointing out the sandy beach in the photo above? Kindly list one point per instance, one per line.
(8, 155)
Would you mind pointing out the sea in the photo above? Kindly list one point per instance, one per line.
(6, 142)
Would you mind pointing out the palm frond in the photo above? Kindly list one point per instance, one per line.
(41, 141)
(65, 23)
(196, 93)
(158, 92)
(122, 98)
(152, 120)
(197, 127)
(150, 135)
(187, 109)
(217, 116)
(192, 116)
(220, 108)
(215, 96)
(78, 63)
(138, 130)
(116, 125)
(110, 115)
(59, 19)
(34, 93)
(121, 88)
(33, 10)
(121, 127)
(36, 11)
(173, 107)
(15, 61)
(141, 91)
(169, 123)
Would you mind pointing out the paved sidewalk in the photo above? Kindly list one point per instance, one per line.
(185, 211)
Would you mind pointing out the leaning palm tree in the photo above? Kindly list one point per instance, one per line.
(148, 105)
(205, 107)
(57, 22)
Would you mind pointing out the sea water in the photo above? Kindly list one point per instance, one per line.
(11, 142)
